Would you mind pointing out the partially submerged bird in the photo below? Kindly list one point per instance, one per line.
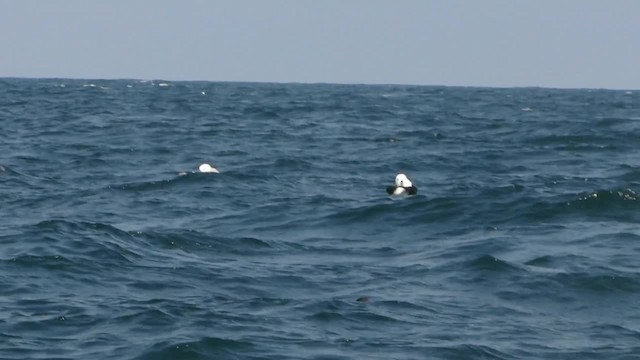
(203, 168)
(403, 186)
(206, 168)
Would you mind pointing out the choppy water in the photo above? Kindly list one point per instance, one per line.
(522, 243)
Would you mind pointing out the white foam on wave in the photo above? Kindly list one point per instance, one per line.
(91, 85)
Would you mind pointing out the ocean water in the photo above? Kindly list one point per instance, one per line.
(522, 243)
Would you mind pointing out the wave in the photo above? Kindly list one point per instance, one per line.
(203, 348)
(557, 261)
(259, 112)
(622, 205)
(293, 164)
(562, 277)
(598, 283)
(612, 331)
(185, 179)
(629, 175)
(467, 351)
(392, 212)
(66, 245)
(492, 264)
(496, 206)
(329, 311)
(194, 241)
(621, 123)
(48, 262)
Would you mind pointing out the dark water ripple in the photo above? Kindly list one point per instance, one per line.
(522, 243)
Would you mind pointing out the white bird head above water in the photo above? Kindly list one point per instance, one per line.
(403, 181)
(206, 168)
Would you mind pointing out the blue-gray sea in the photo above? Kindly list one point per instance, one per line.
(522, 242)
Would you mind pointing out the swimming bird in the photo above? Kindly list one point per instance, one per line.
(206, 168)
(403, 186)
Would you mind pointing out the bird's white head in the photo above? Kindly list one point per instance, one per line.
(206, 168)
(403, 180)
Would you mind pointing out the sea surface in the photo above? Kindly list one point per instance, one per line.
(522, 243)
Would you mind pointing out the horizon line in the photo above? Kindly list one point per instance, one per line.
(317, 83)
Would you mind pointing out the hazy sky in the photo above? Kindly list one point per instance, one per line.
(550, 43)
